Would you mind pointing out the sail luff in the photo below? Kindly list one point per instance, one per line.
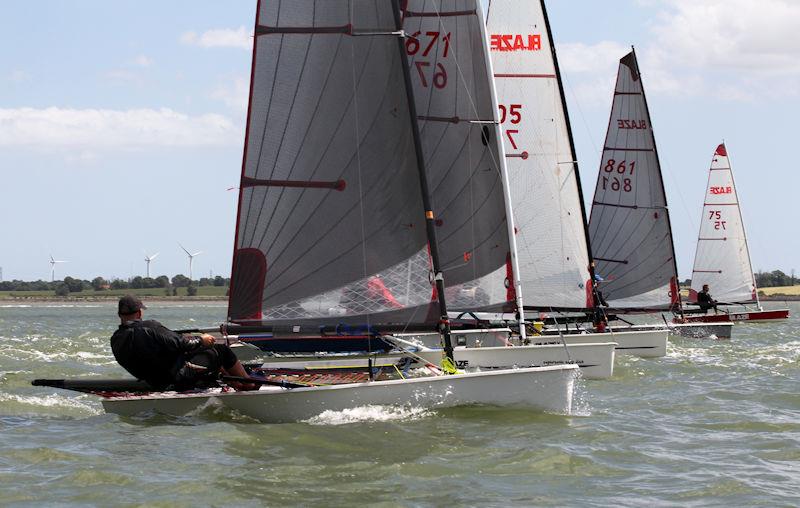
(430, 226)
(573, 152)
(244, 155)
(675, 286)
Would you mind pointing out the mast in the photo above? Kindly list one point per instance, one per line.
(430, 225)
(512, 236)
(676, 286)
(574, 154)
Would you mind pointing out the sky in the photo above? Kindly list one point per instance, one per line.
(122, 123)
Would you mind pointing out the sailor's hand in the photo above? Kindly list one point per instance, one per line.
(207, 340)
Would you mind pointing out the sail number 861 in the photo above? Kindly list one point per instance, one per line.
(617, 183)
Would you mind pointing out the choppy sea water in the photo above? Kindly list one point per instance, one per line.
(715, 423)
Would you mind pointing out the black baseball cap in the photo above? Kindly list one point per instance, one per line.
(130, 304)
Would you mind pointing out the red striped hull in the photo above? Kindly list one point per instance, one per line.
(739, 317)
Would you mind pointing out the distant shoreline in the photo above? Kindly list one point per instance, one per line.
(110, 298)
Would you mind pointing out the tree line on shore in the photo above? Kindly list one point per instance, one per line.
(775, 278)
(72, 285)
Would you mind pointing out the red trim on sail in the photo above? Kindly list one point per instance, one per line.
(511, 291)
(674, 291)
(247, 284)
(338, 185)
(244, 157)
(721, 150)
(693, 295)
(589, 295)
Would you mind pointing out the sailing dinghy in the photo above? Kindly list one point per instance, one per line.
(372, 131)
(629, 225)
(722, 259)
(548, 220)
(555, 259)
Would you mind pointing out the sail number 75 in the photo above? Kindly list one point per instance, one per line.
(715, 216)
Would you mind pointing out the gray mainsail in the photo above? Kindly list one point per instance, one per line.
(331, 224)
(451, 74)
(629, 226)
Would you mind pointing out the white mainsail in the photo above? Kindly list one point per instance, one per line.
(545, 188)
(722, 259)
(629, 226)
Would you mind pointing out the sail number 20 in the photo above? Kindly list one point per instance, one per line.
(421, 45)
(618, 182)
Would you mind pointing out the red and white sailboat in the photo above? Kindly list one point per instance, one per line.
(722, 259)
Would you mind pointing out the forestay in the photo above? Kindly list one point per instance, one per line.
(331, 225)
(545, 187)
(722, 259)
(629, 226)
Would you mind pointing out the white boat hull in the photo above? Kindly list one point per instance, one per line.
(691, 330)
(541, 388)
(646, 343)
(596, 360)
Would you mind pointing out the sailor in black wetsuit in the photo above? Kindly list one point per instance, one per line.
(705, 301)
(167, 360)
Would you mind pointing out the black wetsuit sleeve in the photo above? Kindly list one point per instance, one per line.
(173, 341)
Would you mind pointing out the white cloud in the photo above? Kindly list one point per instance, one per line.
(740, 35)
(142, 61)
(220, 38)
(235, 94)
(19, 76)
(95, 129)
(729, 50)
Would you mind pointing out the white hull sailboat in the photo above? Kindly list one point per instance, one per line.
(371, 134)
(543, 388)
(630, 227)
(722, 259)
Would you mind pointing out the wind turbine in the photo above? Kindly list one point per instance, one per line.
(191, 256)
(53, 267)
(147, 260)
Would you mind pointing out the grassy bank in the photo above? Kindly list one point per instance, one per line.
(780, 291)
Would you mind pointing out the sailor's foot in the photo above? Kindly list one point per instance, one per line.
(243, 387)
